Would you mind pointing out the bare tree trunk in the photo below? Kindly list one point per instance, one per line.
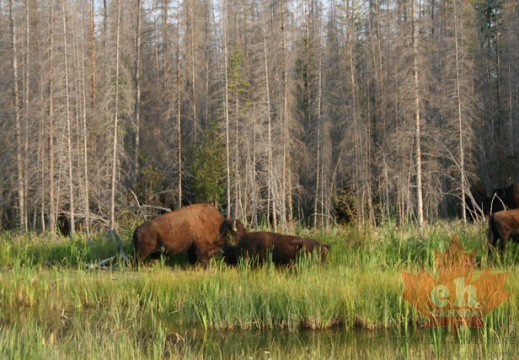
(52, 198)
(137, 90)
(157, 62)
(353, 84)
(105, 23)
(254, 173)
(419, 197)
(41, 150)
(319, 167)
(93, 55)
(18, 128)
(226, 107)
(69, 131)
(269, 124)
(286, 119)
(179, 118)
(165, 45)
(382, 72)
(497, 77)
(193, 75)
(85, 140)
(236, 155)
(286, 184)
(207, 58)
(460, 117)
(116, 118)
(27, 102)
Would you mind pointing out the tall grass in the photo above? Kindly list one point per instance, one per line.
(50, 306)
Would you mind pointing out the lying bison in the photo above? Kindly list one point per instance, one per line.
(198, 229)
(284, 248)
(501, 226)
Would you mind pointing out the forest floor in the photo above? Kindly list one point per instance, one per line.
(53, 306)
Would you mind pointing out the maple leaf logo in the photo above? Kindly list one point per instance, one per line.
(455, 298)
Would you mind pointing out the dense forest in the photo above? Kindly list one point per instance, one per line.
(310, 110)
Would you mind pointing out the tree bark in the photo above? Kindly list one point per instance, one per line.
(86, 181)
(116, 118)
(460, 115)
(137, 93)
(269, 124)
(69, 127)
(18, 127)
(193, 74)
(226, 110)
(93, 56)
(356, 126)
(179, 118)
(27, 109)
(52, 198)
(319, 166)
(416, 88)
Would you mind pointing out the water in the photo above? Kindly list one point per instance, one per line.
(342, 344)
(112, 334)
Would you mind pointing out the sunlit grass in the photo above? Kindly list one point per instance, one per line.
(51, 306)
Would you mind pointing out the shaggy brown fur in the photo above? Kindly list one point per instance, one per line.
(199, 229)
(501, 226)
(312, 245)
(284, 248)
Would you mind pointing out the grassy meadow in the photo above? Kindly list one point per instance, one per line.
(52, 306)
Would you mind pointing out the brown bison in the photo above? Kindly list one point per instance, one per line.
(198, 229)
(501, 226)
(284, 248)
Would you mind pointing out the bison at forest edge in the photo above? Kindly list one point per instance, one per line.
(508, 196)
(499, 199)
(284, 248)
(501, 226)
(199, 229)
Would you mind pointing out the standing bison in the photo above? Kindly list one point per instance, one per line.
(198, 229)
(284, 248)
(501, 226)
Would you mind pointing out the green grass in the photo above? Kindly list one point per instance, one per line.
(52, 307)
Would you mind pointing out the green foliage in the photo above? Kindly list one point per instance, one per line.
(237, 82)
(239, 87)
(209, 167)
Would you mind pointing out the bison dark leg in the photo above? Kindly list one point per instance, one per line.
(191, 254)
(502, 244)
(203, 257)
(501, 232)
(497, 236)
(491, 238)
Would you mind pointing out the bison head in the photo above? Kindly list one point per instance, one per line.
(231, 230)
(230, 254)
(315, 247)
(325, 248)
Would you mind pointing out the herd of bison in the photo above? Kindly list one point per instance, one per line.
(201, 231)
